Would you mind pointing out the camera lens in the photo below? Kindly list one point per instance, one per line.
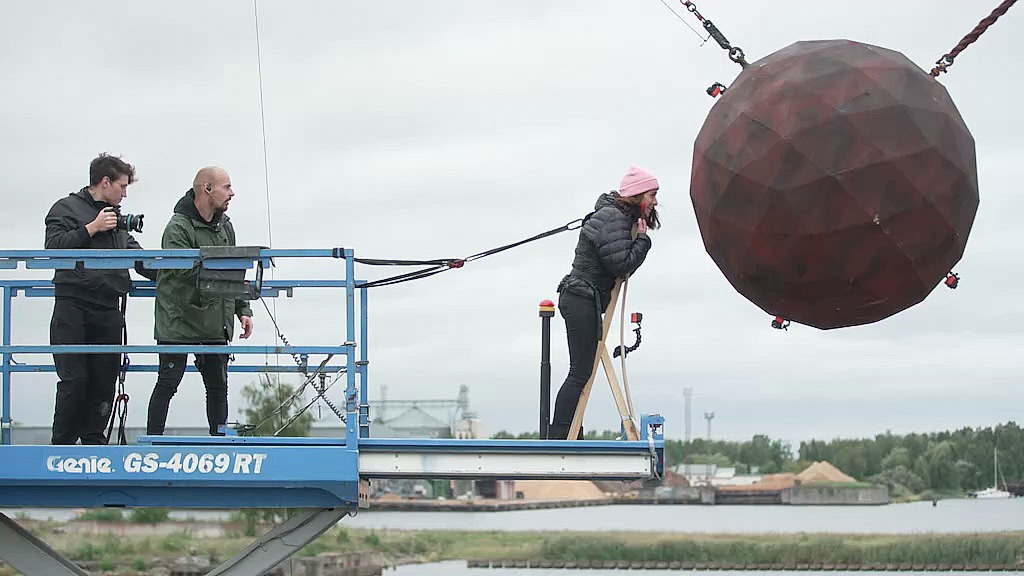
(130, 222)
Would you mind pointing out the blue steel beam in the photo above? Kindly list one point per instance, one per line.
(473, 446)
(362, 364)
(426, 445)
(147, 289)
(5, 410)
(132, 255)
(351, 392)
(243, 368)
(154, 259)
(211, 476)
(43, 283)
(173, 349)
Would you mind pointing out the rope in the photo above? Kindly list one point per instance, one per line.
(263, 122)
(943, 64)
(266, 163)
(266, 179)
(444, 264)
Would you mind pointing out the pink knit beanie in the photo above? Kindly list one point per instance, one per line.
(637, 181)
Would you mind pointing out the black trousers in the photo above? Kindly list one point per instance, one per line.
(85, 389)
(581, 321)
(213, 368)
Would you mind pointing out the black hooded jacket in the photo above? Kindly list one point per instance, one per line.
(65, 230)
(605, 251)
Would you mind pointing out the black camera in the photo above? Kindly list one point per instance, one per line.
(130, 222)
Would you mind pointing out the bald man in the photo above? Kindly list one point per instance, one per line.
(183, 315)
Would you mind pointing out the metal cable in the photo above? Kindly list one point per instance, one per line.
(703, 39)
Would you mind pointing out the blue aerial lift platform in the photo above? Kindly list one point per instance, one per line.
(326, 477)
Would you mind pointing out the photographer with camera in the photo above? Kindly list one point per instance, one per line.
(85, 306)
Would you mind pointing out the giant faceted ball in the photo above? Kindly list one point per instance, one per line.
(834, 183)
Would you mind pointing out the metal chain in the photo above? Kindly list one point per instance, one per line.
(297, 393)
(735, 52)
(943, 64)
(310, 379)
(303, 366)
(321, 390)
(307, 406)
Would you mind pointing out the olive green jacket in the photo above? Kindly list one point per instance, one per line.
(182, 313)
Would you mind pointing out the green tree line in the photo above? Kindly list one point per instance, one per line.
(945, 462)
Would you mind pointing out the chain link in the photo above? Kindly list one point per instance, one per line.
(299, 360)
(321, 392)
(735, 52)
(295, 395)
(309, 378)
(302, 410)
(320, 387)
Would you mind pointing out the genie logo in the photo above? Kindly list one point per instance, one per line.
(81, 465)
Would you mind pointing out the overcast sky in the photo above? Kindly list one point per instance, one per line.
(438, 129)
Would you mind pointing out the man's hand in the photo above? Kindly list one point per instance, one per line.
(105, 220)
(641, 226)
(246, 326)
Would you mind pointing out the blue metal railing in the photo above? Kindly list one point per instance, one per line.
(356, 406)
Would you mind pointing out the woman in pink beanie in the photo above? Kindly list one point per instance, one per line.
(606, 250)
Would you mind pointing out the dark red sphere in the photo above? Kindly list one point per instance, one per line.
(834, 183)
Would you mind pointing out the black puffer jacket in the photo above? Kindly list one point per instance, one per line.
(65, 230)
(606, 250)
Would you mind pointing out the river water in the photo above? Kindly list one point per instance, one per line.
(915, 517)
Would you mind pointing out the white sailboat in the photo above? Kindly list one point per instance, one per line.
(994, 492)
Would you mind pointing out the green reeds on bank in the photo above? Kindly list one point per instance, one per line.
(796, 549)
(130, 554)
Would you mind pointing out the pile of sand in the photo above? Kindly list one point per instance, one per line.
(823, 471)
(559, 490)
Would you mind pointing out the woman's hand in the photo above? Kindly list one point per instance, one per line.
(641, 226)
